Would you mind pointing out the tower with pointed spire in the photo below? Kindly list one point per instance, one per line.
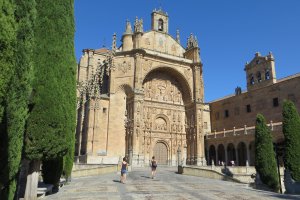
(127, 37)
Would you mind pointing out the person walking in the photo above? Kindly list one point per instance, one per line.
(123, 170)
(153, 167)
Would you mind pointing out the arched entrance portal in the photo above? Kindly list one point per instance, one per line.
(160, 152)
(164, 114)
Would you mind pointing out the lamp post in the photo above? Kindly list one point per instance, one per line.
(178, 156)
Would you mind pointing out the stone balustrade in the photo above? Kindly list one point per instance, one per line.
(241, 131)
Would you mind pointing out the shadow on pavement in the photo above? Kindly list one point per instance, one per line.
(146, 176)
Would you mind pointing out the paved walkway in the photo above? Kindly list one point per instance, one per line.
(167, 185)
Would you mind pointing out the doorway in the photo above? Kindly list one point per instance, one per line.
(160, 152)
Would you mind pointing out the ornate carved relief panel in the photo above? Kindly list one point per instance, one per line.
(163, 88)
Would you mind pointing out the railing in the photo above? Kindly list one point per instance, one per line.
(241, 131)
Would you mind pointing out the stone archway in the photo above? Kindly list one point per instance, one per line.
(231, 154)
(164, 114)
(242, 154)
(160, 151)
(212, 154)
(252, 153)
(221, 154)
(178, 80)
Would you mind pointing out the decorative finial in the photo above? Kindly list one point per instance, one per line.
(114, 42)
(257, 54)
(270, 55)
(138, 25)
(192, 41)
(128, 29)
(177, 36)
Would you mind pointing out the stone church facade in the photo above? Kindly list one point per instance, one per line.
(142, 99)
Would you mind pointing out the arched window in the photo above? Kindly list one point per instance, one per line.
(267, 75)
(258, 76)
(160, 25)
(251, 80)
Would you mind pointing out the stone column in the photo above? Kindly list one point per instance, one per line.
(200, 134)
(184, 155)
(189, 148)
(236, 156)
(217, 156)
(179, 157)
(248, 154)
(90, 131)
(81, 128)
(138, 121)
(226, 155)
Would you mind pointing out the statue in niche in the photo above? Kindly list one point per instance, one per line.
(160, 124)
(171, 95)
(173, 127)
(138, 106)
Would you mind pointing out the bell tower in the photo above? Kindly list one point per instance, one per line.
(160, 21)
(260, 72)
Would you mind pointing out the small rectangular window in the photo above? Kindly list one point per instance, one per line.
(275, 102)
(248, 107)
(104, 110)
(226, 113)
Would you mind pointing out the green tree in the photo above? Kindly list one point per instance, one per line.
(7, 44)
(265, 163)
(7, 63)
(49, 123)
(291, 131)
(69, 90)
(19, 89)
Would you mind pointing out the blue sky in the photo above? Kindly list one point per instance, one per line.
(229, 33)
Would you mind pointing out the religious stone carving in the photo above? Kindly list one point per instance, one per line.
(124, 67)
(160, 124)
(147, 65)
(163, 88)
(138, 25)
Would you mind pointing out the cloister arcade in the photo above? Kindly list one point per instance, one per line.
(223, 154)
(237, 147)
